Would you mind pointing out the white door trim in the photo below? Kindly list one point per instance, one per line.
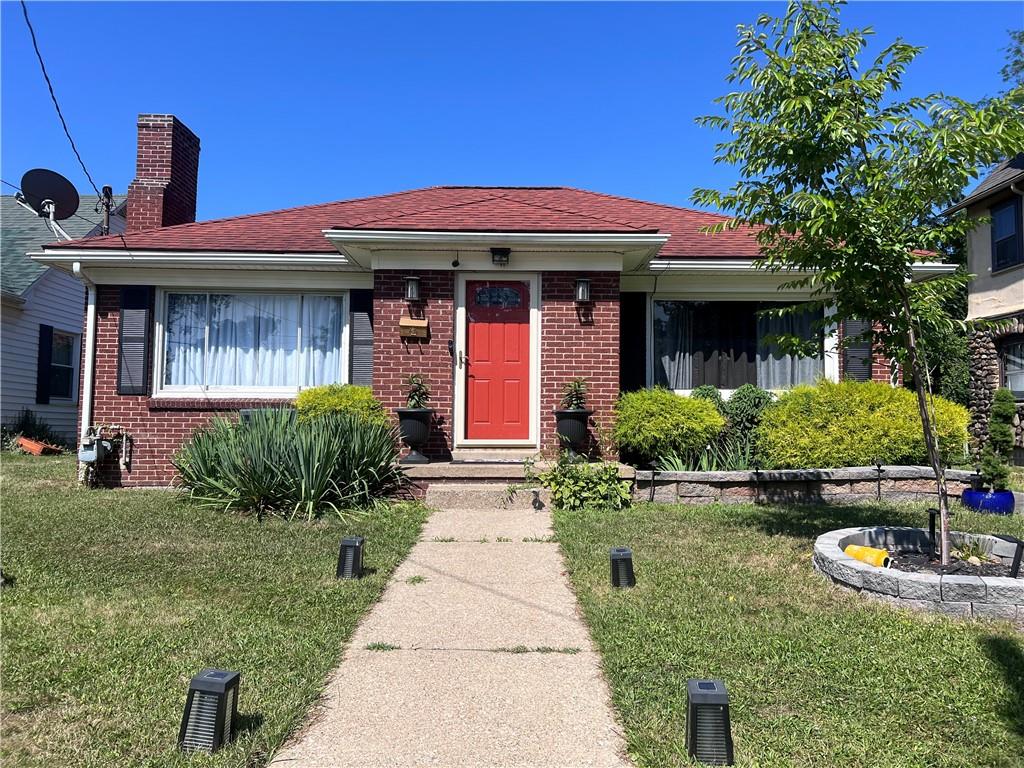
(461, 327)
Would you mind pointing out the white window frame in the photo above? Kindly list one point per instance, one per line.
(160, 390)
(76, 353)
(829, 345)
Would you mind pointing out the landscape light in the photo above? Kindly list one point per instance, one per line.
(622, 567)
(932, 514)
(708, 733)
(210, 711)
(350, 557)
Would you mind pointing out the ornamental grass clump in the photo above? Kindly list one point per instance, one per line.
(275, 464)
(854, 424)
(652, 423)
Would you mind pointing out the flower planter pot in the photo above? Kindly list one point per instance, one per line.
(992, 502)
(414, 429)
(572, 427)
(35, 447)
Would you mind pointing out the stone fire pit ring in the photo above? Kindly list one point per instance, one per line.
(986, 597)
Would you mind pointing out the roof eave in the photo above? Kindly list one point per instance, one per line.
(976, 198)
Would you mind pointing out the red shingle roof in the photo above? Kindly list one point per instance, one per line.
(463, 209)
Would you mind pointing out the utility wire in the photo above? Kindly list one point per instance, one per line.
(76, 215)
(53, 96)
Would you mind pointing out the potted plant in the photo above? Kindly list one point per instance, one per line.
(572, 417)
(414, 420)
(994, 471)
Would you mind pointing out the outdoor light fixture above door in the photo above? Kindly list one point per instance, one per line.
(412, 288)
(499, 256)
(583, 290)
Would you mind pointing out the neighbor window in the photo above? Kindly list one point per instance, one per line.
(726, 344)
(62, 366)
(1012, 356)
(252, 341)
(1007, 241)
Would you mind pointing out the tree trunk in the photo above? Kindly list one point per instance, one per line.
(930, 440)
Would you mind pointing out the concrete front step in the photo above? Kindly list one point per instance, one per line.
(484, 496)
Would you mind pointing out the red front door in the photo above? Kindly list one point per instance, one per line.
(498, 357)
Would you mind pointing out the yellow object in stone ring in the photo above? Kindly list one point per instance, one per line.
(876, 557)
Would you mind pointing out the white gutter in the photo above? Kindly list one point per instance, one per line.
(212, 259)
(90, 348)
(717, 266)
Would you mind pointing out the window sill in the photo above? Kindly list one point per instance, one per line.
(216, 403)
(1004, 270)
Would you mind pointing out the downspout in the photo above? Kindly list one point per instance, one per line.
(89, 363)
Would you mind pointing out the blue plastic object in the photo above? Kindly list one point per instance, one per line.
(992, 502)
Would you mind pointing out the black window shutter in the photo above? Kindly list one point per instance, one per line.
(857, 355)
(361, 338)
(43, 360)
(134, 340)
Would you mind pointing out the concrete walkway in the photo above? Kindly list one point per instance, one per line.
(493, 665)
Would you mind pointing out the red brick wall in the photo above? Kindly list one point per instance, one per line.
(395, 358)
(158, 427)
(166, 174)
(579, 341)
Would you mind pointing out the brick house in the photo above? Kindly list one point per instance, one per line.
(520, 288)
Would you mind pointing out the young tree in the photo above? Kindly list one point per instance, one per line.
(841, 181)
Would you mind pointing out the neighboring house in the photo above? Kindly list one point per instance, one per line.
(995, 257)
(42, 318)
(521, 289)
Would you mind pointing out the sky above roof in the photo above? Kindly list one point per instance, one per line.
(307, 103)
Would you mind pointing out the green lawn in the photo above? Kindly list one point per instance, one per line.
(818, 676)
(121, 596)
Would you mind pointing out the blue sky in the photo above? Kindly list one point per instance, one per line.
(304, 103)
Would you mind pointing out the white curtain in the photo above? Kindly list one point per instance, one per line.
(232, 341)
(322, 321)
(184, 360)
(277, 341)
(673, 344)
(776, 370)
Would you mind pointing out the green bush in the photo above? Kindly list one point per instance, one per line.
(998, 451)
(275, 464)
(341, 398)
(711, 394)
(744, 410)
(577, 484)
(650, 423)
(854, 424)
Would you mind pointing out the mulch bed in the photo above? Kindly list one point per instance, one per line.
(921, 563)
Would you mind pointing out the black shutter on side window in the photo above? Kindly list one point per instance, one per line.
(857, 355)
(134, 340)
(361, 338)
(43, 360)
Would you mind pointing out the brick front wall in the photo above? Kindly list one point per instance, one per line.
(579, 341)
(395, 358)
(158, 427)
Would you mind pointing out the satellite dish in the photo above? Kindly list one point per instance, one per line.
(40, 185)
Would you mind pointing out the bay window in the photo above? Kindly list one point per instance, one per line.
(728, 343)
(233, 342)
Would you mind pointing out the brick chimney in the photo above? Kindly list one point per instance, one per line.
(166, 174)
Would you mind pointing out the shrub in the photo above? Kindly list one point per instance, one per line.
(998, 451)
(854, 424)
(28, 424)
(417, 392)
(577, 484)
(656, 422)
(341, 398)
(279, 465)
(711, 394)
(744, 409)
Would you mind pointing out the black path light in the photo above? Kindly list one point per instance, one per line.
(350, 557)
(622, 567)
(1018, 553)
(708, 732)
(932, 515)
(207, 723)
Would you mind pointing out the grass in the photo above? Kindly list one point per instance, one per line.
(817, 675)
(121, 596)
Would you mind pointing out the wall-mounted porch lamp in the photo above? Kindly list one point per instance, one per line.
(708, 733)
(499, 256)
(412, 288)
(583, 290)
(210, 710)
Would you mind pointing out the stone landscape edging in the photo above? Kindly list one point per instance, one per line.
(843, 484)
(994, 597)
